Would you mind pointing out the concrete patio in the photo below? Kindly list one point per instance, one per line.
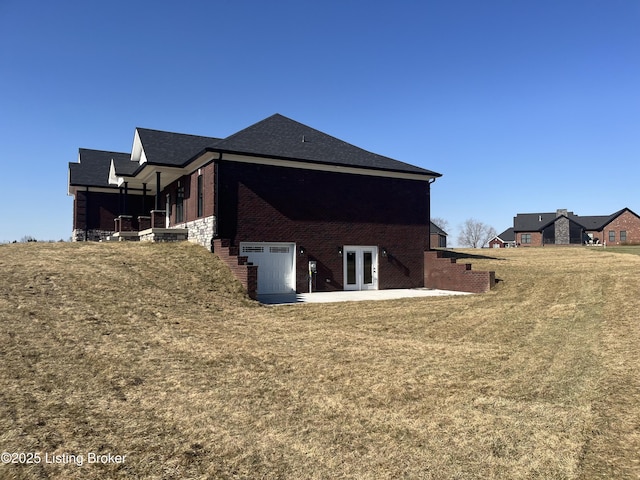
(353, 296)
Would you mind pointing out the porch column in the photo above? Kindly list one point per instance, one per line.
(144, 198)
(157, 205)
(86, 215)
(126, 198)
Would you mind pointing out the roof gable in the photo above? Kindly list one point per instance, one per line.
(282, 138)
(92, 168)
(534, 222)
(175, 149)
(436, 230)
(507, 236)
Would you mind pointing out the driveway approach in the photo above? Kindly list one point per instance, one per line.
(353, 296)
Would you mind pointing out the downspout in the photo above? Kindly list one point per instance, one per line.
(216, 198)
(431, 180)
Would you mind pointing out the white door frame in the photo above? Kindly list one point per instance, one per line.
(360, 267)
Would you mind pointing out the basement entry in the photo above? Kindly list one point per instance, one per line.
(360, 267)
(276, 266)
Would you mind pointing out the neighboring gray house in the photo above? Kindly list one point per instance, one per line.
(563, 227)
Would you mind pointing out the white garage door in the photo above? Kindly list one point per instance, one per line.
(276, 273)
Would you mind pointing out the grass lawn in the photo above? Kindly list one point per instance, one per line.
(633, 249)
(152, 352)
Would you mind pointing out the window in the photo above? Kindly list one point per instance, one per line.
(200, 196)
(180, 204)
(612, 236)
(623, 235)
(526, 238)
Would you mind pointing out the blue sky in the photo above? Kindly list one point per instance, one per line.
(522, 106)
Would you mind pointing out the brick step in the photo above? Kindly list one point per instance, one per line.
(242, 269)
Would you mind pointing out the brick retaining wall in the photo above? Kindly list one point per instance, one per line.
(446, 274)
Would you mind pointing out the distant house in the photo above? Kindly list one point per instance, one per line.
(566, 228)
(505, 240)
(438, 236)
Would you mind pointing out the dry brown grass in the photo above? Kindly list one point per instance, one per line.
(151, 351)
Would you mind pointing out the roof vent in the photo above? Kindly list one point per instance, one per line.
(539, 218)
(304, 139)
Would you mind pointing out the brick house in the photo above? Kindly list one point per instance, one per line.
(438, 236)
(566, 228)
(287, 207)
(505, 240)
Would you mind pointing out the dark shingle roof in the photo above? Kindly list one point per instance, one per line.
(594, 222)
(508, 235)
(274, 137)
(435, 229)
(533, 222)
(281, 137)
(93, 168)
(175, 149)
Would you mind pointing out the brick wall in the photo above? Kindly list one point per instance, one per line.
(324, 211)
(627, 222)
(536, 239)
(246, 273)
(446, 274)
(438, 241)
(98, 210)
(190, 202)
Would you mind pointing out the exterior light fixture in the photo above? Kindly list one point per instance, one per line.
(339, 251)
(301, 250)
(384, 252)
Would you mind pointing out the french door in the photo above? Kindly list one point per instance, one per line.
(360, 268)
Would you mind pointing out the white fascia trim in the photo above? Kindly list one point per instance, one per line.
(136, 149)
(324, 167)
(113, 178)
(147, 174)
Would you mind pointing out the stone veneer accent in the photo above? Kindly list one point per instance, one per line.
(201, 231)
(163, 235)
(562, 227)
(93, 235)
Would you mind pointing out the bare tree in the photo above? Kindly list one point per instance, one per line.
(441, 223)
(475, 234)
